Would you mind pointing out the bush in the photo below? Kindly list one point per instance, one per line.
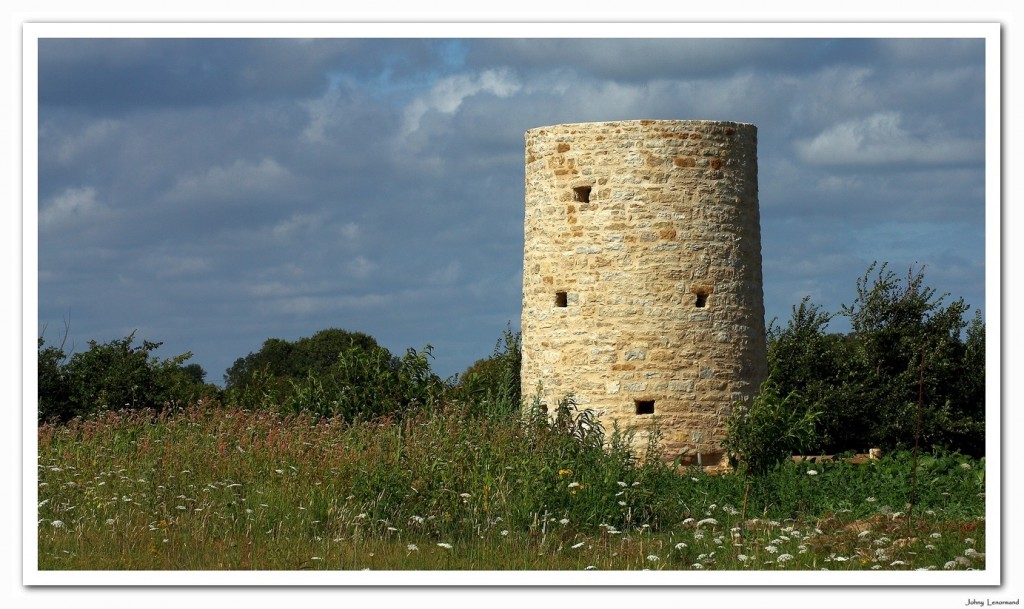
(768, 430)
(113, 376)
(491, 386)
(866, 382)
(364, 384)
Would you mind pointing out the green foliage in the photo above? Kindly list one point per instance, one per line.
(491, 386)
(113, 376)
(288, 362)
(769, 429)
(866, 382)
(334, 373)
(278, 490)
(366, 383)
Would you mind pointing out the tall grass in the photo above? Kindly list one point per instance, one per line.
(206, 488)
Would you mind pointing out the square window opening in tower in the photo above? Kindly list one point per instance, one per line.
(644, 406)
(561, 299)
(581, 194)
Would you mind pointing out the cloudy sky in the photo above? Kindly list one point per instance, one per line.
(213, 193)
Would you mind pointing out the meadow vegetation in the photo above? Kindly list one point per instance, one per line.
(330, 453)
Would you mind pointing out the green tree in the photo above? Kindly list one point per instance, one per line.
(492, 385)
(280, 363)
(334, 373)
(769, 429)
(866, 382)
(113, 376)
(902, 326)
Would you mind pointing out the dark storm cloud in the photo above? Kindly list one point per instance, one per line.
(641, 60)
(107, 76)
(214, 193)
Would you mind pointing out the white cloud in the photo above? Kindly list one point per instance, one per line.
(881, 138)
(349, 231)
(288, 228)
(70, 205)
(321, 113)
(448, 94)
(446, 276)
(94, 135)
(239, 179)
(360, 267)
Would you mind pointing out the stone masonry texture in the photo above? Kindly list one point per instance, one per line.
(642, 290)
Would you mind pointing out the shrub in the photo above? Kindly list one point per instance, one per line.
(866, 382)
(769, 429)
(113, 376)
(491, 386)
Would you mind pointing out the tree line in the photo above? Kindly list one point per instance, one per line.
(908, 352)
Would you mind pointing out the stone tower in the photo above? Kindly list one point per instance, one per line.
(642, 288)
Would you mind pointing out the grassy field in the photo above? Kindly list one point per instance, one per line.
(214, 489)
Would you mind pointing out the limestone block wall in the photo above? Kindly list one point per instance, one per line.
(642, 290)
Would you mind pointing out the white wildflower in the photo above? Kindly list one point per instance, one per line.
(936, 535)
(697, 565)
(969, 540)
(949, 565)
(574, 485)
(577, 546)
(504, 533)
(871, 500)
(563, 521)
(688, 521)
(742, 557)
(680, 545)
(652, 558)
(110, 521)
(446, 546)
(412, 547)
(812, 472)
(621, 483)
(771, 549)
(589, 568)
(710, 521)
(896, 563)
(785, 557)
(57, 524)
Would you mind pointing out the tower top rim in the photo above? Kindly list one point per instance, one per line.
(642, 123)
